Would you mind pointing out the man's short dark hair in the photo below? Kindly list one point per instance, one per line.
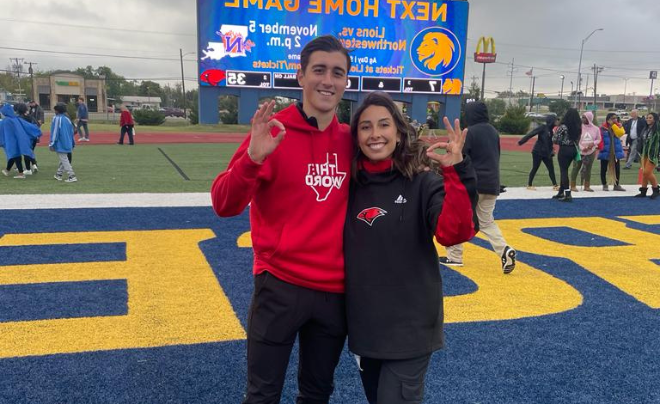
(609, 116)
(325, 43)
(21, 108)
(81, 99)
(60, 108)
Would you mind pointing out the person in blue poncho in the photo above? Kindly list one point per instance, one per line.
(16, 137)
(62, 142)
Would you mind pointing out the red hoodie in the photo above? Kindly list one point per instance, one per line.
(298, 199)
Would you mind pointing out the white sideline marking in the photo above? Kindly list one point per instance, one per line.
(75, 201)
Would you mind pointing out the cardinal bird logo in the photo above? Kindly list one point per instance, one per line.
(369, 215)
(212, 76)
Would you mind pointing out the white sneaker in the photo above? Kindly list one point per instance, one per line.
(19, 176)
(5, 172)
(35, 168)
(508, 260)
(27, 172)
(71, 179)
(58, 177)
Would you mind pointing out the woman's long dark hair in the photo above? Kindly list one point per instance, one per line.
(655, 127)
(573, 122)
(409, 156)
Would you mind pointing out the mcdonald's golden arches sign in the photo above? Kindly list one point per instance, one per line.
(488, 55)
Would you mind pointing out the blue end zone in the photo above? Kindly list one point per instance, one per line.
(574, 237)
(604, 351)
(41, 301)
(62, 253)
(455, 283)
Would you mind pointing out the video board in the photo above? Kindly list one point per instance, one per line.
(395, 45)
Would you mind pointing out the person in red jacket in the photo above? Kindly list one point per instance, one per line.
(293, 169)
(126, 122)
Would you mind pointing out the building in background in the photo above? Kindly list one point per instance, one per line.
(67, 87)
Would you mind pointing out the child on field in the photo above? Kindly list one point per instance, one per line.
(62, 142)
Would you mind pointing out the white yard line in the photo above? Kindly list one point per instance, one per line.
(74, 201)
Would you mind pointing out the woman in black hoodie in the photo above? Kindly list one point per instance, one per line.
(567, 136)
(543, 150)
(393, 284)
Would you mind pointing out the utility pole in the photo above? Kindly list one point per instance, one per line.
(31, 72)
(513, 69)
(531, 97)
(483, 84)
(596, 71)
(183, 84)
(17, 68)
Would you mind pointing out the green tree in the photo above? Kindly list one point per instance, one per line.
(194, 114)
(559, 107)
(514, 120)
(344, 112)
(113, 82)
(148, 88)
(228, 106)
(496, 107)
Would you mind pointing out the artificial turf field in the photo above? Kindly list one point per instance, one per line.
(148, 305)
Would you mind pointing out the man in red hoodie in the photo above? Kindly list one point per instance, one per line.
(293, 170)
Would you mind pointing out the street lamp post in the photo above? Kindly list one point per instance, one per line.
(183, 84)
(561, 92)
(580, 63)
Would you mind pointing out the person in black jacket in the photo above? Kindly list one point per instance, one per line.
(393, 284)
(22, 111)
(483, 146)
(634, 128)
(567, 136)
(543, 150)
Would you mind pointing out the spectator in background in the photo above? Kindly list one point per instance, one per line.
(567, 136)
(589, 143)
(483, 146)
(15, 137)
(83, 118)
(650, 146)
(634, 128)
(62, 142)
(126, 122)
(611, 153)
(30, 162)
(543, 150)
(36, 112)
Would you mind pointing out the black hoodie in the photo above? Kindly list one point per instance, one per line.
(543, 146)
(483, 146)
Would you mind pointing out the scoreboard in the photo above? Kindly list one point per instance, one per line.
(395, 46)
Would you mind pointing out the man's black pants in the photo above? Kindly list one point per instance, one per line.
(278, 313)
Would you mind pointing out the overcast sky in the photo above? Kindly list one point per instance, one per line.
(545, 35)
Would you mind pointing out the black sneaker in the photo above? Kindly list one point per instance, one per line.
(508, 260)
(447, 261)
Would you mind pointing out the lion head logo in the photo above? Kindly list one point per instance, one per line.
(436, 49)
(452, 86)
